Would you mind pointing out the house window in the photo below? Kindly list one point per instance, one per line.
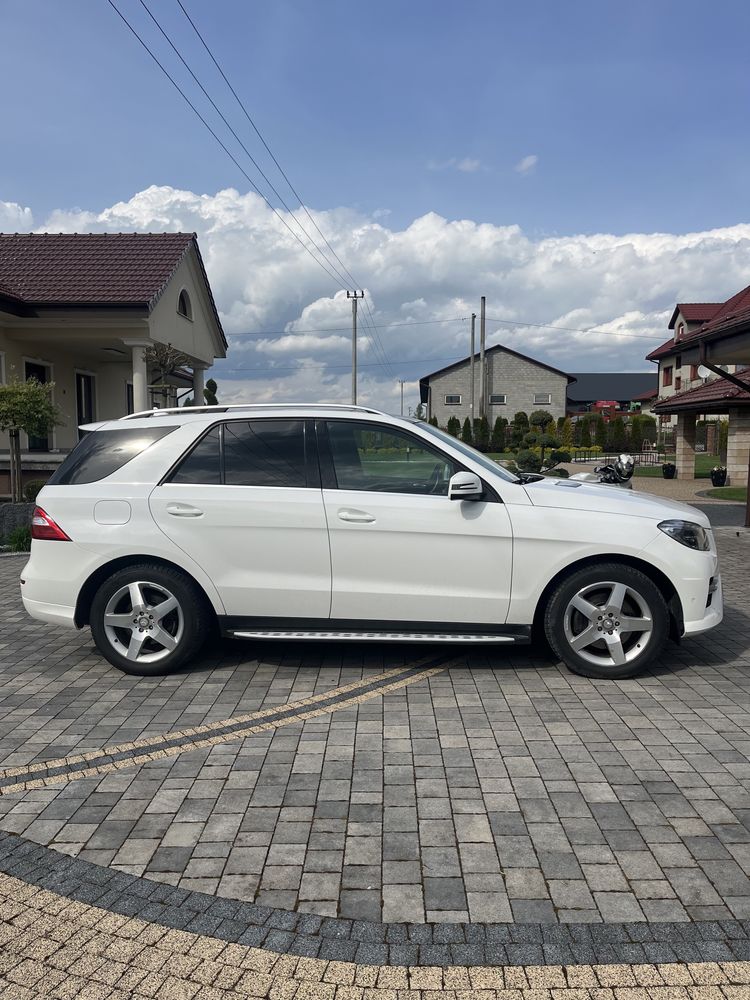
(453, 400)
(184, 307)
(542, 398)
(678, 361)
(678, 383)
(693, 372)
(498, 399)
(666, 376)
(680, 331)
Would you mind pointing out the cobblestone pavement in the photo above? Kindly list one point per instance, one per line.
(375, 808)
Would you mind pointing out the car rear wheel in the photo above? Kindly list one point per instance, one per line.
(149, 619)
(607, 621)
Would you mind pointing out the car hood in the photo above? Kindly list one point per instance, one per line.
(599, 497)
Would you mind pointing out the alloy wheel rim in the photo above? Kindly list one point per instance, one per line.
(608, 624)
(143, 621)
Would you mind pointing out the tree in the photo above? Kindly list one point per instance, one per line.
(540, 418)
(600, 432)
(420, 413)
(433, 421)
(209, 393)
(28, 407)
(586, 432)
(618, 435)
(165, 360)
(636, 433)
(466, 435)
(566, 433)
(482, 434)
(454, 426)
(497, 440)
(528, 461)
(518, 428)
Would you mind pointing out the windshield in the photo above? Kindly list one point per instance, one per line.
(472, 453)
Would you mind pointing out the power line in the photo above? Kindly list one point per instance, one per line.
(570, 329)
(250, 156)
(343, 329)
(260, 136)
(367, 364)
(369, 320)
(233, 158)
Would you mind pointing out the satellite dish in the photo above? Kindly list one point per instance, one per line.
(704, 372)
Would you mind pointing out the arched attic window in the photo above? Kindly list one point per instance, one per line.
(184, 306)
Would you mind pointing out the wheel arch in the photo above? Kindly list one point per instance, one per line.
(662, 581)
(95, 580)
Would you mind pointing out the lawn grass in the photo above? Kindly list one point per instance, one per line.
(728, 493)
(703, 465)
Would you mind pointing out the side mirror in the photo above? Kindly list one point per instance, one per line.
(465, 486)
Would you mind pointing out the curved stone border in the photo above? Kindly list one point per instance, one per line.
(54, 947)
(365, 943)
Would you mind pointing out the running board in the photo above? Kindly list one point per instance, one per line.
(331, 636)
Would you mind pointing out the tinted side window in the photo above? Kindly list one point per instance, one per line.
(101, 453)
(202, 464)
(386, 460)
(264, 453)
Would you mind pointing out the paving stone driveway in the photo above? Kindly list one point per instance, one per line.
(499, 789)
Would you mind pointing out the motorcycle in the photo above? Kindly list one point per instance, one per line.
(616, 473)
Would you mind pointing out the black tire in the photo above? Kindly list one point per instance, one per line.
(586, 640)
(166, 642)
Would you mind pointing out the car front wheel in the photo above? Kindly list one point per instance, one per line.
(607, 621)
(148, 619)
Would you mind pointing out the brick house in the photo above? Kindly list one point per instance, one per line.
(515, 382)
(79, 309)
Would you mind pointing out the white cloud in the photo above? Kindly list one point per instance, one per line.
(466, 164)
(432, 269)
(527, 164)
(14, 218)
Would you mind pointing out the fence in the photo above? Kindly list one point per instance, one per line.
(603, 457)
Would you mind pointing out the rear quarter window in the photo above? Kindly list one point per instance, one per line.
(101, 453)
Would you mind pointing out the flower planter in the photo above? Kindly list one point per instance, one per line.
(669, 470)
(718, 477)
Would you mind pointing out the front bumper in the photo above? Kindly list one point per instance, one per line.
(714, 611)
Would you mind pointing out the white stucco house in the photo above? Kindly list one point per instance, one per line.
(79, 309)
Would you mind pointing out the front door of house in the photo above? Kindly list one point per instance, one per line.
(41, 374)
(85, 411)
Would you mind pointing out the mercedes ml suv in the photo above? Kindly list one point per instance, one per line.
(341, 522)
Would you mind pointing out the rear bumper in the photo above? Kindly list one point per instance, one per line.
(55, 614)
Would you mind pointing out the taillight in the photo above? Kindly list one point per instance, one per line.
(43, 527)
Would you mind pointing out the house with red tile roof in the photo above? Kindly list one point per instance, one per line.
(717, 350)
(79, 309)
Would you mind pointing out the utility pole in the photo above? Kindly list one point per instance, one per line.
(482, 372)
(354, 296)
(471, 371)
(401, 383)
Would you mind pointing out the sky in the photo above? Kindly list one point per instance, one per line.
(580, 164)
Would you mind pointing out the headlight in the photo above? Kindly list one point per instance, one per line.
(687, 533)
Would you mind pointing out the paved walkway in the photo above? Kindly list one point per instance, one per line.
(353, 821)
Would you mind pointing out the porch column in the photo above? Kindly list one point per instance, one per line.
(685, 446)
(140, 378)
(738, 447)
(198, 384)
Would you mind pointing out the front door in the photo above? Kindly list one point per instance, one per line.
(246, 505)
(41, 374)
(85, 409)
(401, 551)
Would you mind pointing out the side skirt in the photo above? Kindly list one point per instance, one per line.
(333, 630)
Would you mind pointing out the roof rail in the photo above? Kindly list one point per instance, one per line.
(157, 412)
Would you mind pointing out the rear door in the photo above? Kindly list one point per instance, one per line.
(245, 503)
(402, 551)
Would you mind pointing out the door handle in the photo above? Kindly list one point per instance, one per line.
(356, 516)
(183, 510)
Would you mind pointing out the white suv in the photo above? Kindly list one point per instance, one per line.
(340, 522)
